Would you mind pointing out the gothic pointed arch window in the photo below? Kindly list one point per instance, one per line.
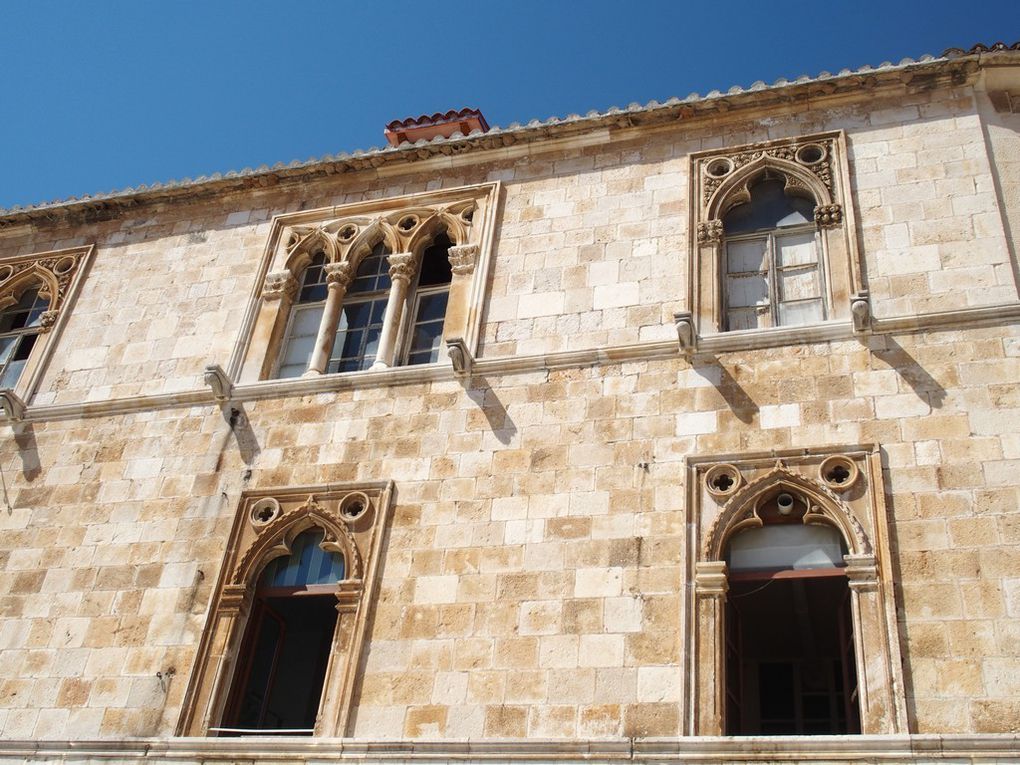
(20, 325)
(791, 624)
(772, 260)
(774, 246)
(35, 294)
(282, 646)
(370, 286)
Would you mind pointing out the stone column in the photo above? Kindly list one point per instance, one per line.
(216, 675)
(401, 271)
(458, 305)
(338, 279)
(710, 587)
(875, 688)
(709, 313)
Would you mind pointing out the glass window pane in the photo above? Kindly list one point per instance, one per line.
(791, 546)
(432, 307)
(746, 256)
(307, 564)
(807, 312)
(298, 350)
(11, 373)
(7, 345)
(744, 291)
(796, 249)
(770, 207)
(747, 319)
(798, 284)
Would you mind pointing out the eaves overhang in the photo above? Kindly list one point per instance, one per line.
(954, 67)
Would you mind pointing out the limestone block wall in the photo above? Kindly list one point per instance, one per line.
(591, 241)
(532, 580)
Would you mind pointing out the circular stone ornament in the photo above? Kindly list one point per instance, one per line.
(264, 512)
(723, 480)
(353, 506)
(838, 472)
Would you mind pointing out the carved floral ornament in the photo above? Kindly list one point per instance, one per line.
(345, 241)
(51, 275)
(806, 167)
(743, 504)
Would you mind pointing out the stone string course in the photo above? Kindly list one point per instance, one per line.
(532, 582)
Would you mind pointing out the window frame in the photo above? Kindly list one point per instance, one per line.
(57, 273)
(815, 166)
(265, 326)
(853, 502)
(355, 518)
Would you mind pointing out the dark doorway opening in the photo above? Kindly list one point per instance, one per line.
(283, 665)
(790, 664)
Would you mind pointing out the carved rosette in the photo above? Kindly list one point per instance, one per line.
(710, 232)
(401, 266)
(462, 258)
(279, 284)
(340, 274)
(829, 216)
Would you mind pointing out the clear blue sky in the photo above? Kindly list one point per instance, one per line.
(104, 95)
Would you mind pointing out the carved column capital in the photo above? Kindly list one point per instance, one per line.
(339, 273)
(829, 216)
(710, 579)
(233, 599)
(401, 266)
(710, 232)
(462, 258)
(46, 320)
(862, 572)
(279, 284)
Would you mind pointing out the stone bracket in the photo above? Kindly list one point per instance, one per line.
(860, 311)
(463, 361)
(686, 332)
(12, 405)
(219, 381)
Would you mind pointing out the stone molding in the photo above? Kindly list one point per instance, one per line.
(354, 519)
(721, 343)
(970, 748)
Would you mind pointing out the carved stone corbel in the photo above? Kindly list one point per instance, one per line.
(461, 357)
(462, 258)
(279, 284)
(686, 332)
(860, 311)
(12, 404)
(217, 379)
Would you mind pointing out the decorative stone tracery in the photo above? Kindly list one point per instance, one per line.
(266, 524)
(343, 236)
(814, 167)
(855, 509)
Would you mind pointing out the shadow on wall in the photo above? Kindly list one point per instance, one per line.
(910, 371)
(28, 451)
(240, 426)
(495, 413)
(742, 405)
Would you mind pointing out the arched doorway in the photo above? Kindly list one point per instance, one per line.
(277, 686)
(790, 663)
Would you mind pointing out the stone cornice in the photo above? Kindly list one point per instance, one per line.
(927, 73)
(963, 747)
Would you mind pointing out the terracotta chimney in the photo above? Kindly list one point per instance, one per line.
(428, 127)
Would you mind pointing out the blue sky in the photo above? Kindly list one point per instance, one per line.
(108, 94)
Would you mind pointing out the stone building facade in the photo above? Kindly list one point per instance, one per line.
(548, 407)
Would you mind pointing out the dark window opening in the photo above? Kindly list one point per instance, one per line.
(285, 652)
(790, 664)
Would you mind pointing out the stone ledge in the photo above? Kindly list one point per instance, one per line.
(925, 748)
(443, 371)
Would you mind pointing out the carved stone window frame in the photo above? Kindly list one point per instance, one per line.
(58, 274)
(814, 166)
(344, 234)
(843, 488)
(354, 518)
